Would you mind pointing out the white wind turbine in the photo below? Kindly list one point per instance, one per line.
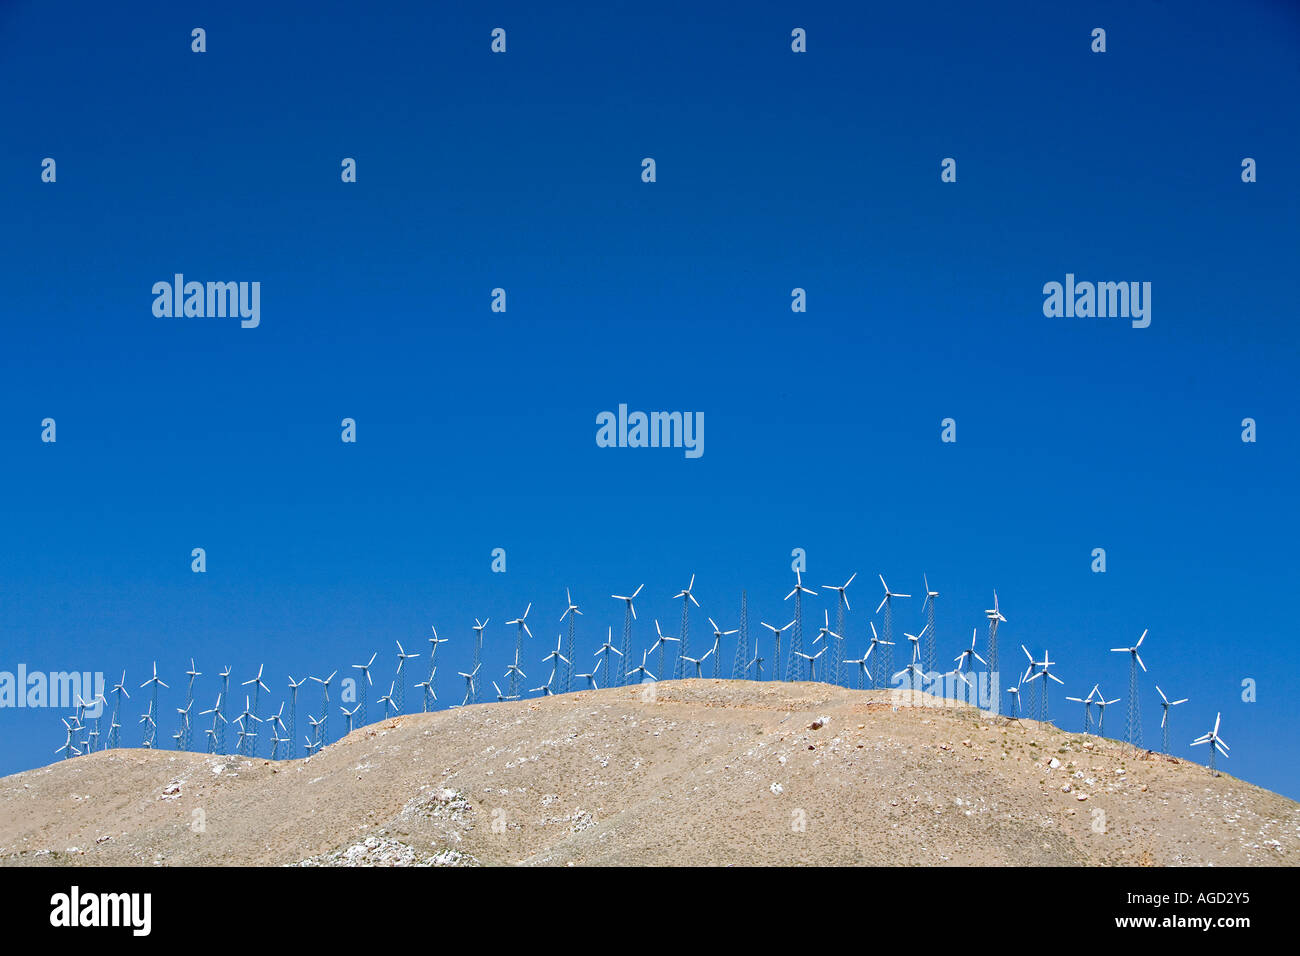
(1087, 707)
(812, 661)
(521, 627)
(994, 614)
(698, 662)
(471, 694)
(257, 686)
(841, 605)
(1165, 704)
(349, 714)
(796, 636)
(776, 636)
(399, 698)
(687, 597)
(516, 674)
(629, 615)
(387, 700)
(608, 648)
(545, 689)
(824, 634)
(1215, 741)
(718, 635)
(322, 726)
(966, 656)
(641, 671)
(572, 613)
(362, 687)
(431, 685)
(1102, 704)
(1134, 704)
(151, 729)
(114, 725)
(661, 642)
(501, 698)
(927, 608)
(479, 627)
(1044, 671)
(293, 710)
(887, 602)
(217, 716)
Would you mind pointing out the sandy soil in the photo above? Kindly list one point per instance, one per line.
(694, 772)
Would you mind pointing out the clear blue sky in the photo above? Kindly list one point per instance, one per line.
(477, 429)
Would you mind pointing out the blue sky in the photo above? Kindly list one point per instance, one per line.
(476, 430)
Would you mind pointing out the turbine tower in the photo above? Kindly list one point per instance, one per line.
(661, 642)
(187, 733)
(361, 690)
(1215, 742)
(293, 711)
(516, 675)
(927, 608)
(841, 605)
(1134, 704)
(115, 726)
(431, 685)
(399, 699)
(1087, 707)
(741, 663)
(322, 725)
(521, 623)
(629, 615)
(884, 667)
(387, 699)
(684, 649)
(608, 648)
(995, 618)
(257, 685)
(1102, 704)
(776, 636)
(218, 718)
(756, 663)
(1044, 671)
(151, 725)
(471, 692)
(796, 636)
(1165, 704)
(718, 635)
(824, 634)
(572, 613)
(478, 647)
(219, 738)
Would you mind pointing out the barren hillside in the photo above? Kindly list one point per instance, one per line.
(699, 772)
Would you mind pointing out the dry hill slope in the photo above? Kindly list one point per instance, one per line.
(701, 772)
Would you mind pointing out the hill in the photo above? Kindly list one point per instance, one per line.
(685, 772)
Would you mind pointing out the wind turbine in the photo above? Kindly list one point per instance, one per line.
(471, 694)
(71, 750)
(1014, 694)
(387, 699)
(257, 685)
(572, 613)
(811, 659)
(322, 725)
(556, 656)
(796, 636)
(277, 721)
(1102, 703)
(244, 730)
(1165, 704)
(114, 727)
(545, 689)
(995, 618)
(349, 715)
(698, 662)
(640, 670)
(1044, 671)
(741, 664)
(661, 642)
(776, 636)
(218, 718)
(591, 681)
(186, 732)
(825, 634)
(1134, 704)
(293, 710)
(182, 735)
(147, 719)
(927, 608)
(151, 730)
(316, 726)
(687, 597)
(967, 655)
(629, 615)
(757, 662)
(516, 674)
(501, 698)
(399, 699)
(1029, 672)
(915, 668)
(1087, 707)
(887, 602)
(841, 605)
(608, 648)
(1215, 742)
(876, 641)
(478, 647)
(220, 737)
(362, 689)
(431, 685)
(718, 635)
(522, 626)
